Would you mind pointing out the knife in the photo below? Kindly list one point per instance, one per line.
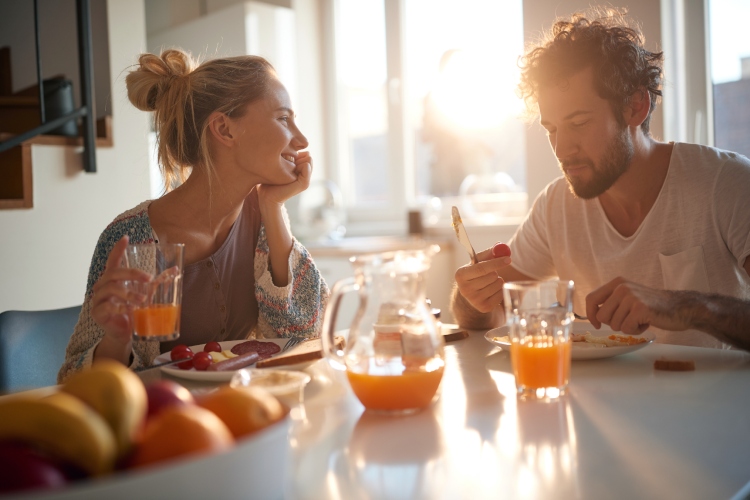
(145, 368)
(463, 238)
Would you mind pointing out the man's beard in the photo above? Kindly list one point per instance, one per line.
(614, 163)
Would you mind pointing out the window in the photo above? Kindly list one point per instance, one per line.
(426, 113)
(730, 73)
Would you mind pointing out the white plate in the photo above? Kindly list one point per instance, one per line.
(194, 374)
(581, 350)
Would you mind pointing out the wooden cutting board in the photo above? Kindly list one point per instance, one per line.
(310, 350)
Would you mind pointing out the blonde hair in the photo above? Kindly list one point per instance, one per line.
(183, 94)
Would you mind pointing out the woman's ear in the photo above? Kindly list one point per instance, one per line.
(220, 127)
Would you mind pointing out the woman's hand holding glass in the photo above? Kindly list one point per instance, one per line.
(109, 304)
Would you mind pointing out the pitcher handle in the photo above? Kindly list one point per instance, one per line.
(335, 356)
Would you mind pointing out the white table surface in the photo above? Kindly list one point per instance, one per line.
(623, 431)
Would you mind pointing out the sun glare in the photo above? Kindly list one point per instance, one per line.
(471, 93)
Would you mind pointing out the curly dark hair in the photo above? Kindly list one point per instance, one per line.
(601, 38)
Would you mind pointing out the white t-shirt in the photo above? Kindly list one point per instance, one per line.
(696, 236)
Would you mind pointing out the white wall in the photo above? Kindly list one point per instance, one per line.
(45, 251)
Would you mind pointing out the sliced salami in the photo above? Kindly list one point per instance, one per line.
(264, 349)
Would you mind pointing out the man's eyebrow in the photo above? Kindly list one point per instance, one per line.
(284, 108)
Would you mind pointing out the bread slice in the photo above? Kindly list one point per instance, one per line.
(309, 350)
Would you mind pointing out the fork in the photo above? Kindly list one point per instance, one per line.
(576, 315)
(293, 341)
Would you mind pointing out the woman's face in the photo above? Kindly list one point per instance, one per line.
(268, 138)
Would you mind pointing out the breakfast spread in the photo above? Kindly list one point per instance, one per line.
(587, 338)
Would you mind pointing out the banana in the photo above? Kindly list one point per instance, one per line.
(117, 394)
(63, 426)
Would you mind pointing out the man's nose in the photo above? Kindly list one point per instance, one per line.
(564, 146)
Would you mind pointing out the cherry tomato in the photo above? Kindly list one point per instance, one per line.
(500, 250)
(184, 355)
(212, 347)
(202, 360)
(180, 348)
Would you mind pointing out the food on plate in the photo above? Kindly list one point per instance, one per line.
(609, 341)
(244, 410)
(24, 468)
(223, 355)
(62, 426)
(181, 351)
(235, 363)
(116, 393)
(179, 431)
(164, 393)
(674, 365)
(212, 347)
(202, 360)
(613, 340)
(264, 349)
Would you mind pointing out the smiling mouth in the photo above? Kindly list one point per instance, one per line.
(289, 158)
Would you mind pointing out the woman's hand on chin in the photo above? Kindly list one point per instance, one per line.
(278, 194)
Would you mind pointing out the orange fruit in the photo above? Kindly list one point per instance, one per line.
(181, 430)
(243, 409)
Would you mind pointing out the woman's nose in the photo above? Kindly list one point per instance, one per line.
(299, 141)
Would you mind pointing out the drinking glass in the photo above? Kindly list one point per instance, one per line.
(539, 316)
(156, 315)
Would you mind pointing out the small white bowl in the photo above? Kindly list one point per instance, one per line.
(288, 386)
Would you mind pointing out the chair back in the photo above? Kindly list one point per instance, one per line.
(32, 346)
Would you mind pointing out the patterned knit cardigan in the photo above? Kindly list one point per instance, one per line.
(296, 309)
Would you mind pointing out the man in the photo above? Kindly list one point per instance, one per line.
(661, 215)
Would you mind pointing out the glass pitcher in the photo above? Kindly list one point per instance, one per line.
(394, 354)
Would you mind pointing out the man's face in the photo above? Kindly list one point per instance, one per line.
(592, 147)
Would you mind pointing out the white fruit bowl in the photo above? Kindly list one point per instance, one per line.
(256, 467)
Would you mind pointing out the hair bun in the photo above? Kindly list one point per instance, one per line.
(155, 75)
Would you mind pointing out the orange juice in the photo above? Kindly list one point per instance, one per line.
(408, 390)
(541, 363)
(156, 320)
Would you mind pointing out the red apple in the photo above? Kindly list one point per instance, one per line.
(162, 394)
(25, 469)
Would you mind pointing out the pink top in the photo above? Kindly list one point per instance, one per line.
(218, 301)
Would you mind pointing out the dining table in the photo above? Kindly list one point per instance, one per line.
(622, 430)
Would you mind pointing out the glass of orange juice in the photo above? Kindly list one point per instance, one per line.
(540, 315)
(156, 315)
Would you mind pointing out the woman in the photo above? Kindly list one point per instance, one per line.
(227, 135)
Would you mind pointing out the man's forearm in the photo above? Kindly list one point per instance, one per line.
(468, 317)
(726, 318)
